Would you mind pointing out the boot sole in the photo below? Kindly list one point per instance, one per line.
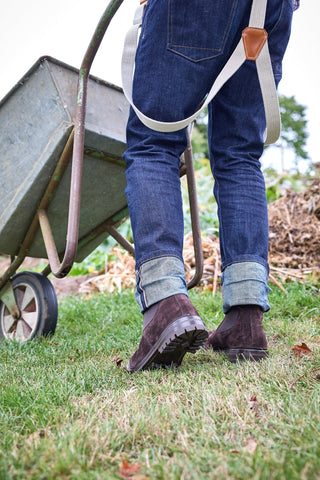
(186, 334)
(245, 354)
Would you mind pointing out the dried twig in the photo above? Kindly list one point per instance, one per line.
(305, 373)
(215, 278)
(275, 281)
(50, 343)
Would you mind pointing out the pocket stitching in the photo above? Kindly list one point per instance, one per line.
(215, 51)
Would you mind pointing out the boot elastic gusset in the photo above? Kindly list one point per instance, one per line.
(240, 336)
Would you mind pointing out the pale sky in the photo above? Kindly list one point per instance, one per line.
(63, 29)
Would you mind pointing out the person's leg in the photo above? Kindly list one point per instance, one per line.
(236, 127)
(155, 205)
(172, 326)
(237, 123)
(180, 52)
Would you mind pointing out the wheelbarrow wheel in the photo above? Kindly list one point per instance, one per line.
(37, 301)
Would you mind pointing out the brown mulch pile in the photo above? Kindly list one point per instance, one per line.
(117, 275)
(295, 230)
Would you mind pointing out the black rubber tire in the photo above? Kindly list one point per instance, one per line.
(37, 300)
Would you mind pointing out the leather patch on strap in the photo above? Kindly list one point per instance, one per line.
(253, 40)
(142, 2)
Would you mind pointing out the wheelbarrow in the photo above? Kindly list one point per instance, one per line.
(62, 182)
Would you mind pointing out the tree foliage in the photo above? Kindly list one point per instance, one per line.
(294, 127)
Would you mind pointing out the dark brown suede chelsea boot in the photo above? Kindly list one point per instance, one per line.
(175, 329)
(240, 336)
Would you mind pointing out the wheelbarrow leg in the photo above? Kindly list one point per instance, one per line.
(8, 298)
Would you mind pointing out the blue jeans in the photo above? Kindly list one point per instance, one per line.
(182, 48)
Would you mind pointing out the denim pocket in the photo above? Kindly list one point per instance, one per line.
(196, 31)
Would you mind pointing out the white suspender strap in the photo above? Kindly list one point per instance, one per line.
(258, 14)
(253, 45)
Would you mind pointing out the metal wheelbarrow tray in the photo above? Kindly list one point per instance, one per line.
(62, 170)
(36, 121)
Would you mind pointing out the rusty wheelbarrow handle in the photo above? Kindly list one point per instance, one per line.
(194, 213)
(60, 269)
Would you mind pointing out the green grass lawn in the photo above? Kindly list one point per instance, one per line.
(67, 411)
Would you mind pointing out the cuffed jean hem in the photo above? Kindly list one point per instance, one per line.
(245, 283)
(159, 278)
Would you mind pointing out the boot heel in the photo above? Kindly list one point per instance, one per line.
(246, 354)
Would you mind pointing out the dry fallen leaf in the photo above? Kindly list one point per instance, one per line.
(129, 471)
(250, 446)
(317, 377)
(46, 340)
(117, 360)
(301, 350)
(140, 477)
(253, 401)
